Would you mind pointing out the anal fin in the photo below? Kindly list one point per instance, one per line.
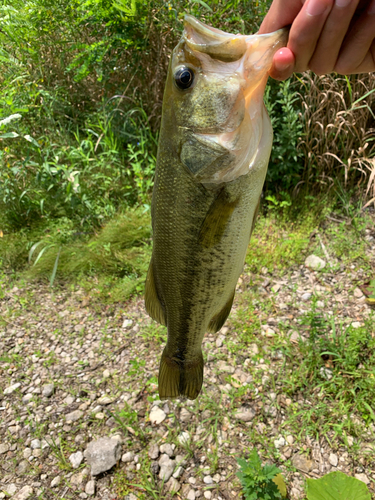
(219, 319)
(152, 302)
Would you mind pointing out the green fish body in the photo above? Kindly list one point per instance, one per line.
(214, 148)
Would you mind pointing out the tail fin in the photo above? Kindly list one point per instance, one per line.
(180, 377)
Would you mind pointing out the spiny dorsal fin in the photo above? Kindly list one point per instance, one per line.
(219, 319)
(216, 220)
(152, 302)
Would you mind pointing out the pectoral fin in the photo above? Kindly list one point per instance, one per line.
(152, 302)
(216, 220)
(219, 319)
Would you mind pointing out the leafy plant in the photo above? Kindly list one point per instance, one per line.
(337, 485)
(259, 481)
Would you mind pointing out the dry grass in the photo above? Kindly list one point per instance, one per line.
(339, 131)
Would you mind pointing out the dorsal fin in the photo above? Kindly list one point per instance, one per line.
(152, 301)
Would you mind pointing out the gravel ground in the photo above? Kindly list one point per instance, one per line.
(73, 371)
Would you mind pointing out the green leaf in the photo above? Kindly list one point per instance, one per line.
(9, 135)
(335, 486)
(280, 483)
(203, 4)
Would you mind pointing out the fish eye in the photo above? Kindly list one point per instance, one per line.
(184, 78)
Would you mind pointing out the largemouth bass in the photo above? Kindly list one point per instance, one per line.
(214, 148)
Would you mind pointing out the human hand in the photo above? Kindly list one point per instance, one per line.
(325, 36)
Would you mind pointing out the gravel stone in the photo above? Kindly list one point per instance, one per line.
(333, 460)
(167, 449)
(127, 457)
(24, 493)
(157, 415)
(191, 495)
(183, 438)
(185, 415)
(4, 447)
(362, 477)
(302, 463)
(153, 451)
(48, 390)
(279, 443)
(207, 494)
(166, 468)
(245, 414)
(35, 443)
(74, 416)
(314, 262)
(76, 459)
(102, 455)
(12, 388)
(90, 487)
(173, 485)
(55, 481)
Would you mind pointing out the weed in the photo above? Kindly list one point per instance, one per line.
(259, 481)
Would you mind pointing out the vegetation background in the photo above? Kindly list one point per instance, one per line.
(81, 87)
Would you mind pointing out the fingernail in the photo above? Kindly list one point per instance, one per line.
(342, 3)
(316, 7)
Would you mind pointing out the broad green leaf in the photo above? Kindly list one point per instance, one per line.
(335, 486)
(280, 483)
(32, 140)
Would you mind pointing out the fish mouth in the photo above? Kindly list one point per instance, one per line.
(227, 47)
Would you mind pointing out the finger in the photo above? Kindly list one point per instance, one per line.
(281, 13)
(331, 38)
(306, 30)
(283, 64)
(357, 52)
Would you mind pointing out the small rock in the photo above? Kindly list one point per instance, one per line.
(12, 388)
(302, 463)
(157, 415)
(27, 398)
(106, 374)
(74, 416)
(127, 323)
(27, 452)
(350, 440)
(4, 447)
(245, 414)
(166, 469)
(167, 449)
(127, 457)
(315, 262)
(191, 495)
(155, 467)
(153, 451)
(356, 324)
(185, 415)
(306, 296)
(333, 460)
(48, 390)
(362, 477)
(23, 467)
(102, 454)
(35, 443)
(10, 489)
(290, 439)
(24, 493)
(183, 438)
(358, 293)
(90, 487)
(279, 443)
(207, 494)
(220, 341)
(79, 478)
(254, 349)
(55, 481)
(178, 472)
(325, 373)
(173, 485)
(105, 400)
(208, 480)
(76, 459)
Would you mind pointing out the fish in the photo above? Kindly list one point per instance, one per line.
(214, 147)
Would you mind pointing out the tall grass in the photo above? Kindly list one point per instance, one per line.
(338, 131)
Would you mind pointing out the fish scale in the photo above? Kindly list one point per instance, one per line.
(206, 193)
